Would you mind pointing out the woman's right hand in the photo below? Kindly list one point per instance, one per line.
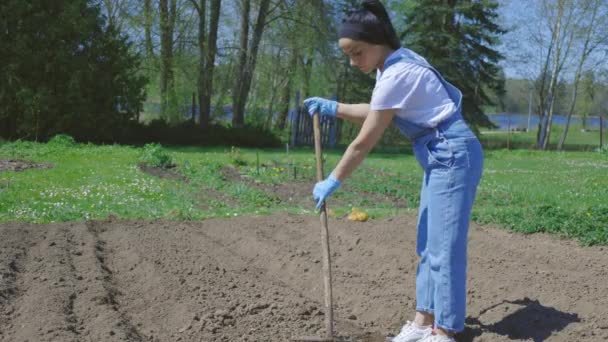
(321, 106)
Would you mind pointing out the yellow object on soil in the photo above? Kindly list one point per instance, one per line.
(358, 215)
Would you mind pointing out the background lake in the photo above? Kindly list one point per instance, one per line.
(521, 121)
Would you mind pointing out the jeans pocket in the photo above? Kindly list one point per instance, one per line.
(440, 153)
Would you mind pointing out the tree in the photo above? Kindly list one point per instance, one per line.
(292, 30)
(65, 71)
(207, 44)
(248, 51)
(552, 29)
(167, 27)
(592, 34)
(148, 21)
(458, 38)
(560, 16)
(114, 10)
(586, 101)
(302, 32)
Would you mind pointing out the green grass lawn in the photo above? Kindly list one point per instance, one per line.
(528, 191)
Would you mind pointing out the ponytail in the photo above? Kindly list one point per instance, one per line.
(371, 24)
(376, 8)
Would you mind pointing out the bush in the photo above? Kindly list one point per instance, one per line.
(236, 158)
(188, 133)
(155, 156)
(62, 140)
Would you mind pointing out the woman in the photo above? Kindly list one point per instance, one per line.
(412, 95)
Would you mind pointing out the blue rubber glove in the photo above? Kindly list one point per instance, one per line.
(321, 106)
(325, 188)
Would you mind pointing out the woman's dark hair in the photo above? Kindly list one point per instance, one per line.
(371, 24)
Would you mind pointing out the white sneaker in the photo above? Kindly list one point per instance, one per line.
(412, 332)
(437, 338)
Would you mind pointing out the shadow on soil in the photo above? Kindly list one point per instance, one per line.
(531, 321)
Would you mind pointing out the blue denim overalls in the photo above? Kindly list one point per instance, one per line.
(452, 160)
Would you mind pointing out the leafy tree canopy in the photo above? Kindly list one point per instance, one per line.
(64, 71)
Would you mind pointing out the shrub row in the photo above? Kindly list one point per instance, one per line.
(186, 133)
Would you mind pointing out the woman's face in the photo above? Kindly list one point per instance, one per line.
(363, 56)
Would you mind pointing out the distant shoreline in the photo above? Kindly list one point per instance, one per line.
(535, 115)
(514, 120)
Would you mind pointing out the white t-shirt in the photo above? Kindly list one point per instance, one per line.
(415, 90)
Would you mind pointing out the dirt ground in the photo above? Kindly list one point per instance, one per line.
(166, 173)
(20, 165)
(259, 279)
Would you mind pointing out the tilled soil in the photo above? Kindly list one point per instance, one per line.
(164, 173)
(259, 279)
(20, 165)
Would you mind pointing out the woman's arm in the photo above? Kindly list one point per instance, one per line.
(355, 113)
(373, 127)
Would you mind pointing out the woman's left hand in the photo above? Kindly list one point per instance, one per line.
(374, 125)
(322, 106)
(324, 189)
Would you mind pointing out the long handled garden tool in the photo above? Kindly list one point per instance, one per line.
(329, 314)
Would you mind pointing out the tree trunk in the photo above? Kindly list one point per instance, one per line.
(547, 126)
(562, 140)
(202, 35)
(545, 122)
(284, 103)
(207, 75)
(274, 81)
(551, 108)
(237, 108)
(586, 52)
(269, 115)
(148, 28)
(285, 98)
(172, 17)
(172, 100)
(563, 23)
(167, 85)
(307, 70)
(165, 56)
(250, 61)
(541, 111)
(542, 105)
(225, 84)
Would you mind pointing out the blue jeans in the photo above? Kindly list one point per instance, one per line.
(452, 160)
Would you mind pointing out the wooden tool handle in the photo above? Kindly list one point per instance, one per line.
(317, 132)
(329, 314)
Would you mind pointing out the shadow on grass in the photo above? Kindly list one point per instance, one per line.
(532, 321)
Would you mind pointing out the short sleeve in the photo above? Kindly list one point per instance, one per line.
(395, 87)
